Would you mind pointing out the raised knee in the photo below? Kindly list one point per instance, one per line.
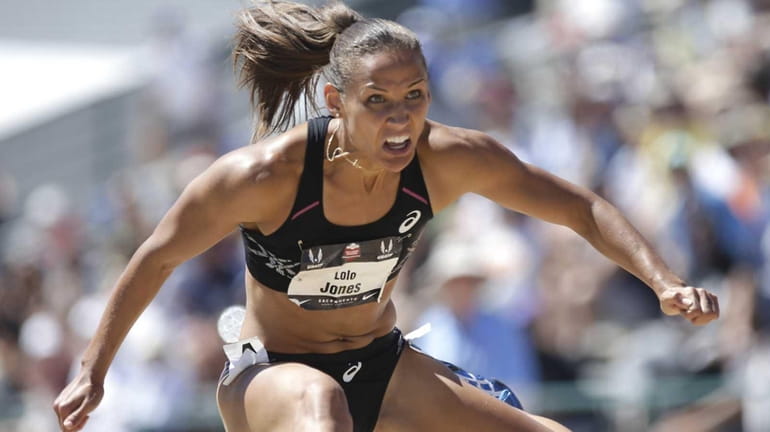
(323, 402)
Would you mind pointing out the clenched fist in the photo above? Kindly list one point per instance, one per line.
(696, 304)
(76, 401)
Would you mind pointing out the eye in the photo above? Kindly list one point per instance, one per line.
(375, 99)
(414, 94)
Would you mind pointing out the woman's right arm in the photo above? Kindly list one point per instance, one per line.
(209, 208)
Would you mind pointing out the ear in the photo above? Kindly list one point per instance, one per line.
(333, 99)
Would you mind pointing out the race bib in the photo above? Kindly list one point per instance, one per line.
(343, 275)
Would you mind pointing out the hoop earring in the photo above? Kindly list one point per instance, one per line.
(338, 152)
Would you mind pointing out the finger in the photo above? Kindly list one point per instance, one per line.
(82, 423)
(700, 318)
(704, 300)
(714, 304)
(674, 303)
(694, 297)
(684, 300)
(64, 410)
(703, 319)
(79, 416)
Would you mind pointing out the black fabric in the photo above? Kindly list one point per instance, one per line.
(274, 259)
(367, 387)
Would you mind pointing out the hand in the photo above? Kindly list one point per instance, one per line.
(76, 401)
(696, 304)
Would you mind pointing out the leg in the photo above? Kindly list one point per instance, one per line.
(424, 395)
(553, 425)
(283, 397)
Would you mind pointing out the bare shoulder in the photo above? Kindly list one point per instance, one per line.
(447, 140)
(454, 158)
(268, 162)
(257, 179)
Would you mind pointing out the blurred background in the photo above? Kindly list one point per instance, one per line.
(107, 109)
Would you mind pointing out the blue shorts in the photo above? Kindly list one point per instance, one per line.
(493, 387)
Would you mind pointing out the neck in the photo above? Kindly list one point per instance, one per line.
(345, 161)
(358, 178)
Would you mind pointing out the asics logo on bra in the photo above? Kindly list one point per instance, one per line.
(411, 220)
(351, 372)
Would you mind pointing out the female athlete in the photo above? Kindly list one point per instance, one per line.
(329, 211)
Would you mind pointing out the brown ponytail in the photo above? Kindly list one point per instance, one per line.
(280, 47)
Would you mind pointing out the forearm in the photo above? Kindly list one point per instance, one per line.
(134, 290)
(612, 235)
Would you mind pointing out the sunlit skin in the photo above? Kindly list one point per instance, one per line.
(387, 97)
(255, 187)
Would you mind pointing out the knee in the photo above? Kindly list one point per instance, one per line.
(323, 403)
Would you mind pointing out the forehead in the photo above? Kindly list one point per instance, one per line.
(390, 68)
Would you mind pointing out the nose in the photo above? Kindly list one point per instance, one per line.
(399, 115)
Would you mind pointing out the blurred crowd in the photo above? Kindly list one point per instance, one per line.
(660, 106)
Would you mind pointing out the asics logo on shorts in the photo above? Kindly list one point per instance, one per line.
(411, 220)
(351, 372)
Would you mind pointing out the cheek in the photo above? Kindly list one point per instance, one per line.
(366, 122)
(363, 128)
(422, 110)
(363, 114)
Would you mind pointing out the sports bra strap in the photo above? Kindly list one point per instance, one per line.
(310, 188)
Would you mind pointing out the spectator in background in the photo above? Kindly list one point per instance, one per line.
(463, 330)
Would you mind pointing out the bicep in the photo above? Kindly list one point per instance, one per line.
(528, 189)
(205, 213)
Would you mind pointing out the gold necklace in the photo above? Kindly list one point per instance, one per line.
(338, 152)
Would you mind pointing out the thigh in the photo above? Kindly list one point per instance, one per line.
(425, 395)
(269, 397)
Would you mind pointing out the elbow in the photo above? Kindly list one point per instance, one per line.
(587, 217)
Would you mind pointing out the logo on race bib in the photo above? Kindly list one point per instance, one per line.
(345, 274)
(315, 260)
(351, 372)
(299, 302)
(352, 251)
(386, 249)
(411, 220)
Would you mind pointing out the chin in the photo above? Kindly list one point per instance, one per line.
(398, 164)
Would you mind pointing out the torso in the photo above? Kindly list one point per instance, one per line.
(281, 324)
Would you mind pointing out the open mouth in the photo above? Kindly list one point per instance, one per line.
(397, 144)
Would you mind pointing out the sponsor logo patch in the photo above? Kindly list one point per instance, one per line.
(351, 252)
(411, 220)
(351, 372)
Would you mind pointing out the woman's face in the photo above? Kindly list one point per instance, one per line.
(383, 108)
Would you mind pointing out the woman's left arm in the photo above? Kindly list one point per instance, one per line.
(499, 175)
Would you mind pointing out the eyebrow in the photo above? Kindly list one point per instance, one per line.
(374, 87)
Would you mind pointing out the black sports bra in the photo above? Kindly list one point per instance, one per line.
(321, 265)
